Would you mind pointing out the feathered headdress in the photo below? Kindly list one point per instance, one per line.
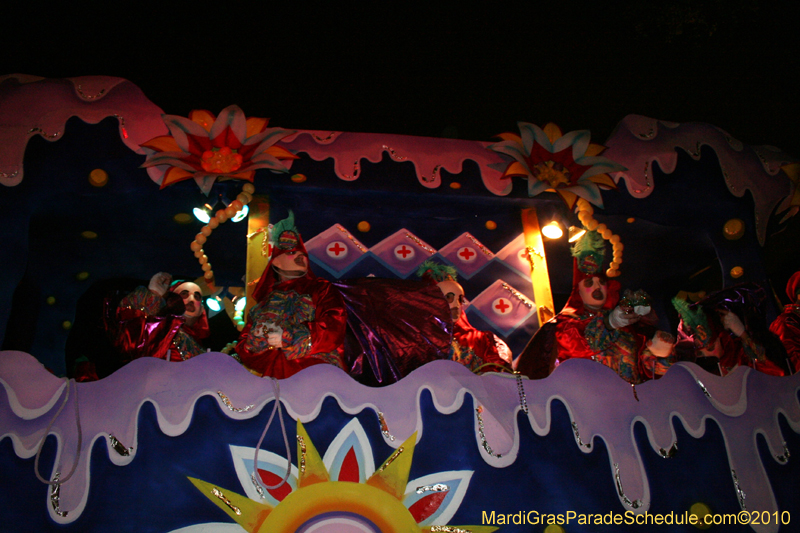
(436, 272)
(696, 321)
(284, 234)
(589, 252)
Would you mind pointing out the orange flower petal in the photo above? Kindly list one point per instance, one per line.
(244, 175)
(255, 125)
(515, 169)
(280, 153)
(174, 175)
(553, 132)
(595, 149)
(568, 197)
(164, 143)
(204, 118)
(603, 179)
(510, 137)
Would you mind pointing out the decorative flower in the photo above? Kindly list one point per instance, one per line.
(205, 147)
(565, 164)
(342, 488)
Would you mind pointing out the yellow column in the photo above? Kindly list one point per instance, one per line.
(540, 278)
(257, 244)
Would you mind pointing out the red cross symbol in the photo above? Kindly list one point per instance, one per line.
(467, 254)
(336, 250)
(404, 252)
(501, 306)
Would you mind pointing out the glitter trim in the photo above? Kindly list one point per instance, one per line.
(487, 252)
(41, 132)
(218, 493)
(55, 496)
(669, 454)
(302, 444)
(85, 96)
(391, 459)
(449, 529)
(633, 387)
(119, 447)
(523, 400)
(393, 153)
(646, 179)
(635, 504)
(785, 457)
(351, 238)
(265, 242)
(649, 135)
(439, 487)
(330, 136)
(421, 244)
(230, 406)
(384, 427)
(356, 171)
(259, 490)
(434, 175)
(484, 442)
(739, 490)
(703, 388)
(578, 437)
(518, 295)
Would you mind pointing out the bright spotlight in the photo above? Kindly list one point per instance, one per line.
(213, 304)
(201, 215)
(552, 230)
(241, 215)
(575, 233)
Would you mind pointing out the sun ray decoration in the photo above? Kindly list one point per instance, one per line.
(359, 495)
(204, 147)
(568, 165)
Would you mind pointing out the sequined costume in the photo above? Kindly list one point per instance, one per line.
(311, 313)
(756, 348)
(474, 348)
(145, 329)
(787, 328)
(580, 332)
(787, 325)
(308, 310)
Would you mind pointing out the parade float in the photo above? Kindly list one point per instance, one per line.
(100, 185)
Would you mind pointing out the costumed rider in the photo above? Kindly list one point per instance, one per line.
(299, 320)
(595, 324)
(728, 330)
(166, 320)
(787, 325)
(477, 350)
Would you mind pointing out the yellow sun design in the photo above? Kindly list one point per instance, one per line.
(319, 503)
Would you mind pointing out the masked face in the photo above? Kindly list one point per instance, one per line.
(290, 265)
(593, 292)
(454, 294)
(192, 299)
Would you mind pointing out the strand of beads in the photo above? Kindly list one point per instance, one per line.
(585, 215)
(220, 217)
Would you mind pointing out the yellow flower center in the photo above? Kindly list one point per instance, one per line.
(553, 173)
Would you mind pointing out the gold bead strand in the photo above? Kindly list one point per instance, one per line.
(585, 215)
(220, 217)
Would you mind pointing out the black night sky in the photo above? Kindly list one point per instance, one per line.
(439, 70)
